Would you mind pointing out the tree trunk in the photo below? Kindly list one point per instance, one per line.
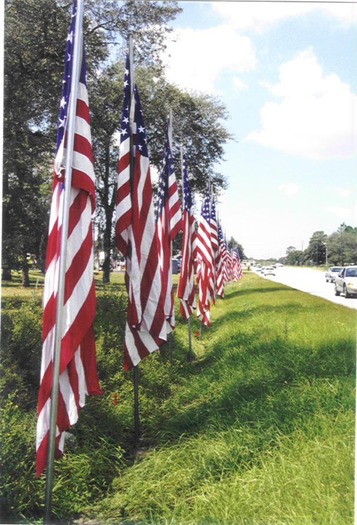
(6, 272)
(25, 273)
(106, 269)
(107, 248)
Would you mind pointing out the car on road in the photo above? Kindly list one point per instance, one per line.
(346, 281)
(331, 273)
(269, 270)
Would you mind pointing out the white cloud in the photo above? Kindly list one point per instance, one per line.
(289, 189)
(198, 57)
(316, 115)
(258, 16)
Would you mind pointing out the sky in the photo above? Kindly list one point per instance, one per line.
(287, 74)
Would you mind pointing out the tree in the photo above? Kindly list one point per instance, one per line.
(232, 243)
(342, 246)
(35, 38)
(316, 251)
(197, 127)
(294, 257)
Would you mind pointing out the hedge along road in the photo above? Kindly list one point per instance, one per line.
(310, 281)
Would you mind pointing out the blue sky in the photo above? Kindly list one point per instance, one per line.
(287, 74)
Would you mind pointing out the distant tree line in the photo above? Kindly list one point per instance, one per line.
(338, 249)
(34, 47)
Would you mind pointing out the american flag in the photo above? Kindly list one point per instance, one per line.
(78, 370)
(169, 223)
(215, 249)
(221, 263)
(205, 262)
(123, 194)
(227, 256)
(236, 265)
(136, 238)
(186, 286)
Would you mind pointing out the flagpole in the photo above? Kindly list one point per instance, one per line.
(77, 52)
(131, 117)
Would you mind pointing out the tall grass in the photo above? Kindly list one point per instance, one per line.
(259, 429)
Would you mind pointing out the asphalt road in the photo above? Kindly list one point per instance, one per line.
(310, 281)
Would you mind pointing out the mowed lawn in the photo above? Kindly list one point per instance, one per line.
(259, 429)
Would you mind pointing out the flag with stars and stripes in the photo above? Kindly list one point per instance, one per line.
(221, 263)
(186, 286)
(205, 262)
(227, 263)
(236, 265)
(169, 223)
(136, 236)
(215, 250)
(78, 370)
(123, 194)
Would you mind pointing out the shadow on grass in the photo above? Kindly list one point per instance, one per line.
(288, 310)
(250, 291)
(282, 399)
(270, 383)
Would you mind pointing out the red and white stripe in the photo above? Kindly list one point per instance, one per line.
(169, 224)
(136, 237)
(186, 286)
(78, 374)
(237, 272)
(205, 265)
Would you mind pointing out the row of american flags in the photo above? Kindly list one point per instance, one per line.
(145, 229)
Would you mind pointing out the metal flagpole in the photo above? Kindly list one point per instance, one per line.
(132, 117)
(77, 56)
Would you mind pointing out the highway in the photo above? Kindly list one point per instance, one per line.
(310, 281)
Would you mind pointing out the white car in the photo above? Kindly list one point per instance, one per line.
(331, 273)
(269, 270)
(346, 281)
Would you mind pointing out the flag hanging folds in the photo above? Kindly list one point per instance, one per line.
(123, 200)
(136, 237)
(215, 250)
(78, 370)
(169, 223)
(204, 258)
(186, 286)
(236, 265)
(220, 264)
(227, 268)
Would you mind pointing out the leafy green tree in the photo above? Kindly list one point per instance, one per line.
(232, 243)
(197, 127)
(293, 256)
(35, 39)
(342, 245)
(316, 251)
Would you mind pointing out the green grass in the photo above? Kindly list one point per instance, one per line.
(12, 289)
(259, 429)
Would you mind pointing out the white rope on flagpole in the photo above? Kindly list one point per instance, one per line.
(77, 53)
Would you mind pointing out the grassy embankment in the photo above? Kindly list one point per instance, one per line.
(259, 429)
